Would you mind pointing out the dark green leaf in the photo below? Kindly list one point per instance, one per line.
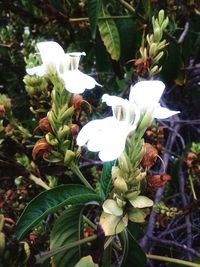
(106, 180)
(50, 201)
(109, 34)
(135, 255)
(67, 228)
(93, 13)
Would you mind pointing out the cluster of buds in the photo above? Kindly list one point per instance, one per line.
(127, 202)
(55, 144)
(39, 91)
(193, 159)
(8, 124)
(170, 212)
(148, 63)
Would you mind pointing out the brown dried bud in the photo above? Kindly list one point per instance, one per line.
(9, 128)
(191, 156)
(41, 148)
(45, 125)
(74, 128)
(156, 181)
(79, 103)
(150, 156)
(76, 101)
(2, 111)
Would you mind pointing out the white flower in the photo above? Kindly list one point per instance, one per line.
(146, 95)
(54, 59)
(108, 136)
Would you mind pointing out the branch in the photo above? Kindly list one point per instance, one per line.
(145, 244)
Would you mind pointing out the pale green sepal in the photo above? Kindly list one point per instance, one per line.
(137, 215)
(112, 224)
(110, 206)
(141, 202)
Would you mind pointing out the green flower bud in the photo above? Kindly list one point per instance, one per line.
(120, 185)
(157, 34)
(69, 156)
(154, 70)
(50, 138)
(67, 114)
(161, 16)
(124, 163)
(152, 49)
(158, 57)
(63, 132)
(164, 24)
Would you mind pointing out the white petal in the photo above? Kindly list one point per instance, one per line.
(108, 136)
(50, 52)
(76, 81)
(113, 100)
(146, 93)
(87, 132)
(38, 70)
(163, 113)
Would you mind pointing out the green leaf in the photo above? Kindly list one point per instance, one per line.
(109, 34)
(105, 180)
(93, 14)
(86, 262)
(67, 228)
(50, 201)
(135, 255)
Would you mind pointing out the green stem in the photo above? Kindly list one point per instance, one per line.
(100, 18)
(192, 187)
(89, 222)
(127, 6)
(42, 257)
(167, 259)
(77, 171)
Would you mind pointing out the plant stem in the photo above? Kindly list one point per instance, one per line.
(100, 18)
(89, 222)
(38, 181)
(192, 188)
(127, 6)
(167, 259)
(42, 257)
(76, 170)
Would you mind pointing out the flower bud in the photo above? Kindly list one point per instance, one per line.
(120, 184)
(161, 16)
(158, 57)
(164, 24)
(2, 111)
(74, 128)
(50, 138)
(41, 147)
(67, 114)
(69, 156)
(157, 34)
(45, 125)
(152, 49)
(63, 132)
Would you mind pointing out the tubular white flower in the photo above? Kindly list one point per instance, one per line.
(108, 136)
(66, 65)
(146, 95)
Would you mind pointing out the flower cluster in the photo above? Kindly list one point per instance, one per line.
(108, 136)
